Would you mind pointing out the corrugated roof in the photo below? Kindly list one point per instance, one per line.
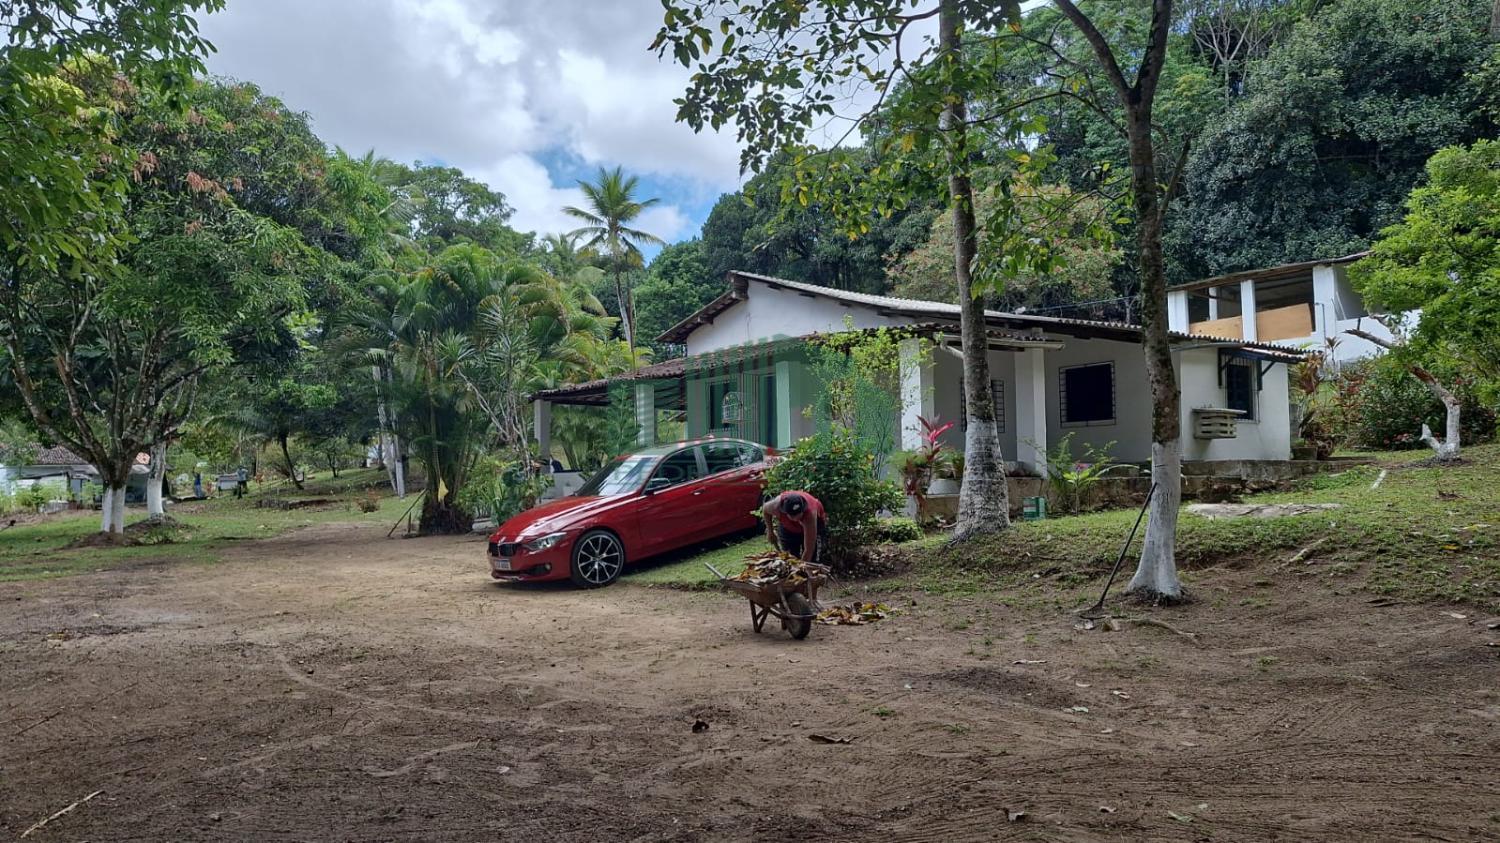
(58, 456)
(1270, 273)
(917, 308)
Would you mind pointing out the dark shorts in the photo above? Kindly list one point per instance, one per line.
(792, 542)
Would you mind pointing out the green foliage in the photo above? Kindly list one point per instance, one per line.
(17, 443)
(837, 468)
(611, 207)
(35, 496)
(1070, 477)
(752, 230)
(897, 530)
(1337, 123)
(1444, 259)
(1078, 224)
(858, 374)
(502, 486)
(63, 170)
(676, 284)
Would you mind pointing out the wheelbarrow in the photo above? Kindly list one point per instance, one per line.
(796, 606)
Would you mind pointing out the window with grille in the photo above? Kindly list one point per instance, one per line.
(1239, 386)
(997, 397)
(1086, 394)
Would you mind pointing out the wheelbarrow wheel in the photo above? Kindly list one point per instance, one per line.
(798, 628)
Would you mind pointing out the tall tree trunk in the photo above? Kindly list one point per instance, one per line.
(1156, 575)
(154, 506)
(286, 457)
(398, 447)
(983, 496)
(627, 315)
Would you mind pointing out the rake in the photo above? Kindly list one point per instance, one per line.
(1096, 611)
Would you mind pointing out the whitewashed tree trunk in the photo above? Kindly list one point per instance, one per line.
(396, 455)
(1157, 572)
(154, 505)
(983, 495)
(117, 520)
(1448, 449)
(106, 510)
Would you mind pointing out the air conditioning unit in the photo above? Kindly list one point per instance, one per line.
(1215, 422)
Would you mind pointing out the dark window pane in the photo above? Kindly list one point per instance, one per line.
(1088, 393)
(723, 456)
(679, 467)
(1239, 386)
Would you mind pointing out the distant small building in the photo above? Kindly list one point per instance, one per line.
(1301, 304)
(57, 466)
(61, 467)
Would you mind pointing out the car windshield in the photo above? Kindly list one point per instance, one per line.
(622, 476)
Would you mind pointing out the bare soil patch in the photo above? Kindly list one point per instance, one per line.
(331, 684)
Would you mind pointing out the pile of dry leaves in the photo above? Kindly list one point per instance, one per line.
(855, 614)
(773, 566)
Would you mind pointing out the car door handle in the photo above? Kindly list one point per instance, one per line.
(699, 492)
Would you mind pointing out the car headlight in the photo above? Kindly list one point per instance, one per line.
(545, 542)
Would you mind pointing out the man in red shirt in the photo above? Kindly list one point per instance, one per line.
(797, 524)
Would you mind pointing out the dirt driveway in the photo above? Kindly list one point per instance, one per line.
(331, 685)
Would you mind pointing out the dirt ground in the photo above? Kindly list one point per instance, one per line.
(333, 685)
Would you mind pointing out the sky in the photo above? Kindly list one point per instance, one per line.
(526, 95)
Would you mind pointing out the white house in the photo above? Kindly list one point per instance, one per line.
(1303, 304)
(745, 374)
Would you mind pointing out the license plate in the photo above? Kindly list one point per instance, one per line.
(501, 563)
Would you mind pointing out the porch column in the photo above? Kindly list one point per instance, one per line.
(788, 401)
(916, 392)
(1250, 332)
(645, 413)
(1325, 302)
(1031, 409)
(1177, 311)
(541, 424)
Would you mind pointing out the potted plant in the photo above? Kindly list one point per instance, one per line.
(940, 459)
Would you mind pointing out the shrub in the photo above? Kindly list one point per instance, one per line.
(897, 530)
(1071, 478)
(369, 501)
(32, 497)
(501, 487)
(1383, 406)
(837, 469)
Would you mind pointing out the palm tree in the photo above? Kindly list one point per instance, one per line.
(612, 206)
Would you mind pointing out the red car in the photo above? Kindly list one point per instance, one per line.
(637, 506)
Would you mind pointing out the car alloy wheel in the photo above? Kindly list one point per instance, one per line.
(598, 559)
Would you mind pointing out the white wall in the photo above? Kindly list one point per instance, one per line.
(1269, 437)
(771, 314)
(1131, 429)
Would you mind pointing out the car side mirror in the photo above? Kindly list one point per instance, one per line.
(656, 484)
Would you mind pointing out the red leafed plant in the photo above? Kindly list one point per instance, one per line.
(918, 465)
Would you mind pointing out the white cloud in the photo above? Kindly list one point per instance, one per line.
(484, 86)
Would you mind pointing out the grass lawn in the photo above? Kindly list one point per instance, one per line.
(685, 568)
(39, 550)
(1423, 534)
